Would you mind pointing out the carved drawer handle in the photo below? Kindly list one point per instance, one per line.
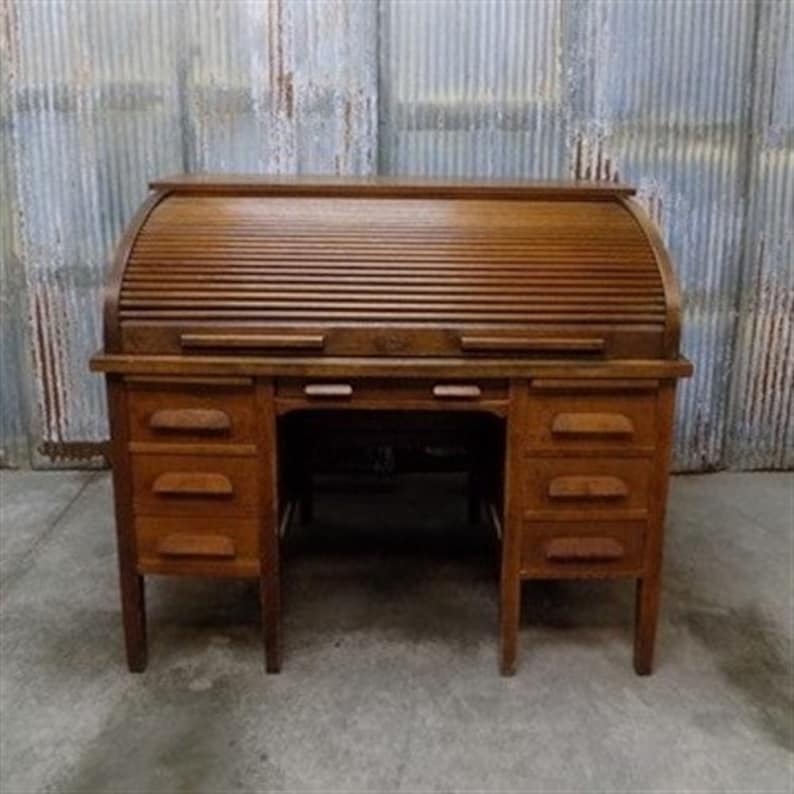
(198, 420)
(586, 424)
(583, 550)
(180, 545)
(587, 487)
(177, 483)
(452, 391)
(328, 390)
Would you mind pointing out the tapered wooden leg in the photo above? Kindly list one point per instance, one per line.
(645, 622)
(510, 617)
(133, 608)
(270, 595)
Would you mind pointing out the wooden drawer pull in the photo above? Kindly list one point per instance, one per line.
(180, 545)
(587, 487)
(451, 391)
(328, 390)
(582, 424)
(197, 420)
(518, 344)
(583, 550)
(177, 483)
(254, 341)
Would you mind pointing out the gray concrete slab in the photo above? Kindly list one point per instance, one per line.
(30, 505)
(390, 680)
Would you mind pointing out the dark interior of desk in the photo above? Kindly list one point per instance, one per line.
(428, 481)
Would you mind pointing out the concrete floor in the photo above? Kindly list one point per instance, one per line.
(390, 680)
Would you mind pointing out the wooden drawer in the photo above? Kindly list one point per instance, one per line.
(572, 488)
(363, 391)
(562, 420)
(194, 485)
(191, 412)
(201, 546)
(582, 549)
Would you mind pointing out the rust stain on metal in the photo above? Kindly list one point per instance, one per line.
(77, 451)
(46, 357)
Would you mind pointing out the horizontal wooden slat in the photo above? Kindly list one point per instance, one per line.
(413, 260)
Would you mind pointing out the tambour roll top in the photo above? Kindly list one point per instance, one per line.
(374, 267)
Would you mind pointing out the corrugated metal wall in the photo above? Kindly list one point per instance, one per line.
(692, 101)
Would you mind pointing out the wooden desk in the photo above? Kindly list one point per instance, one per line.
(235, 302)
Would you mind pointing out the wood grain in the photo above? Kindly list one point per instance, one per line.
(234, 301)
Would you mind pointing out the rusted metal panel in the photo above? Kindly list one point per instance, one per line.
(101, 97)
(690, 100)
(659, 95)
(762, 417)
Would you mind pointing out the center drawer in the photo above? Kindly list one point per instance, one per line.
(569, 488)
(194, 485)
(359, 391)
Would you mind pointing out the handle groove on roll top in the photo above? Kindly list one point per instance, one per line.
(200, 420)
(328, 390)
(178, 483)
(182, 545)
(254, 341)
(493, 344)
(587, 487)
(583, 550)
(454, 391)
(592, 424)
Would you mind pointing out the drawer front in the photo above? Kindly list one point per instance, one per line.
(567, 488)
(373, 390)
(561, 421)
(197, 546)
(584, 548)
(191, 413)
(194, 485)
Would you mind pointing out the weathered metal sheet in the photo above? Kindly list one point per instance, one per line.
(762, 409)
(101, 97)
(658, 94)
(690, 100)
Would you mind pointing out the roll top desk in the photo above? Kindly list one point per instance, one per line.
(235, 301)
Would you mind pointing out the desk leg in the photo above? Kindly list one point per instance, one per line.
(649, 586)
(133, 608)
(509, 618)
(269, 541)
(270, 598)
(510, 586)
(133, 605)
(645, 622)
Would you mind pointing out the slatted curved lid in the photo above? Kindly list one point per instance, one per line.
(437, 271)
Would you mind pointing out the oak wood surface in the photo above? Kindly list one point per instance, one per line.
(235, 300)
(194, 485)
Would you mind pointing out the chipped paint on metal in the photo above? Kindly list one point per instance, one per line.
(691, 101)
